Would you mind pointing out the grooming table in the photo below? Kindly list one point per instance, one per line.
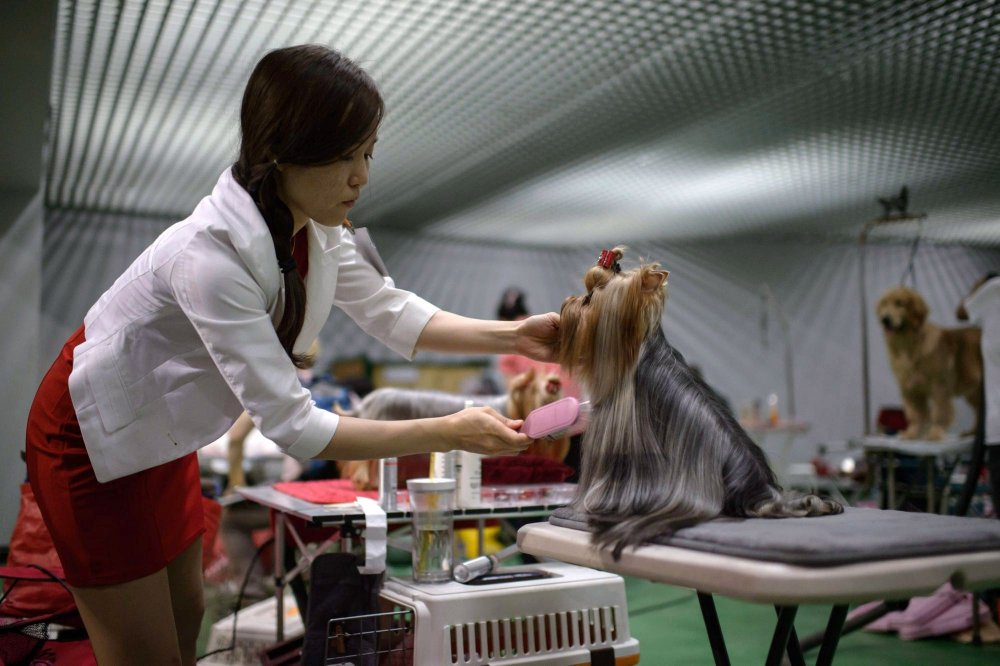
(860, 555)
(348, 518)
(883, 450)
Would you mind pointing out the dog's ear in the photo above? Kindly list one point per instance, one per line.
(653, 279)
(518, 382)
(881, 300)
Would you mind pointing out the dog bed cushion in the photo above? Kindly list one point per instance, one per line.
(857, 535)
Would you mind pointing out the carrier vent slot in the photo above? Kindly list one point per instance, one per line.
(500, 638)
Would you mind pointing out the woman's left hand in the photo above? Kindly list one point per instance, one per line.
(538, 337)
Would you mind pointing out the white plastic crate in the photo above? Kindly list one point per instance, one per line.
(256, 629)
(566, 619)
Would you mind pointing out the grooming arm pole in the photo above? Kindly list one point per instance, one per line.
(865, 378)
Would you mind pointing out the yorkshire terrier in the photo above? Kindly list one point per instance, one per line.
(661, 451)
(527, 391)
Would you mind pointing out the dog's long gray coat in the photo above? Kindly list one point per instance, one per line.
(662, 452)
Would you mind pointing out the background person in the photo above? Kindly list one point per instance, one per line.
(982, 307)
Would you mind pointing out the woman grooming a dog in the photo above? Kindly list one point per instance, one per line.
(213, 318)
(982, 307)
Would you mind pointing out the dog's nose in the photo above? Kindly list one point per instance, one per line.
(886, 322)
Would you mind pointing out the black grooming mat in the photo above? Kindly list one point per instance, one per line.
(857, 535)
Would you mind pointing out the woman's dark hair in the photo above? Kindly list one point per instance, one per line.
(308, 106)
(512, 305)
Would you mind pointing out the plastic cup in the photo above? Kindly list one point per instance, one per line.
(432, 503)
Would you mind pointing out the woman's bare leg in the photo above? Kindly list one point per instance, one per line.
(188, 599)
(131, 623)
(237, 436)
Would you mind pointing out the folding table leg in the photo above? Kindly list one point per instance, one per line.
(795, 657)
(834, 628)
(297, 584)
(977, 638)
(815, 640)
(279, 573)
(714, 629)
(779, 643)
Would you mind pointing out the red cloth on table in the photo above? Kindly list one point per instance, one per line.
(325, 491)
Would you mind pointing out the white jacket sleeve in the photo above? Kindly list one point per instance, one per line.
(980, 302)
(394, 316)
(228, 309)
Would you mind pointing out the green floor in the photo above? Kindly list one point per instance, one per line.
(667, 622)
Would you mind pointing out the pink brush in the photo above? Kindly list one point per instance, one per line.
(562, 418)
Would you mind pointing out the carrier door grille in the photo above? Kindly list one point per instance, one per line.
(502, 638)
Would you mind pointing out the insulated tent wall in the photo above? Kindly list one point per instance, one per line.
(741, 144)
(714, 313)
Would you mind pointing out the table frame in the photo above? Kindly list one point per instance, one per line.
(883, 451)
(347, 517)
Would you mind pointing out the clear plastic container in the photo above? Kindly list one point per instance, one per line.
(432, 502)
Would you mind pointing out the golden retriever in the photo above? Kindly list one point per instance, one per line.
(933, 365)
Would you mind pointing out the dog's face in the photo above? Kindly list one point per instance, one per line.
(601, 331)
(532, 389)
(901, 309)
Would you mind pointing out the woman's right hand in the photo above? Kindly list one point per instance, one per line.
(483, 430)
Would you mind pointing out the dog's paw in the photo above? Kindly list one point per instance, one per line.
(936, 433)
(912, 432)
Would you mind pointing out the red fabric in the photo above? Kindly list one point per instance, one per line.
(24, 650)
(211, 546)
(891, 420)
(105, 533)
(523, 469)
(326, 491)
(30, 543)
(416, 466)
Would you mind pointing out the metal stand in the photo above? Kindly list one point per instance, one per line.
(837, 627)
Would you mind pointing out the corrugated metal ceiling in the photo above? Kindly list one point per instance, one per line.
(558, 121)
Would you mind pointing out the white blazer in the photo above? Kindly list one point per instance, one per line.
(983, 307)
(184, 340)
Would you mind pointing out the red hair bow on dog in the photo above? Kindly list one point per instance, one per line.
(608, 260)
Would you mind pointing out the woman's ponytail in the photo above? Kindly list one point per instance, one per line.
(261, 182)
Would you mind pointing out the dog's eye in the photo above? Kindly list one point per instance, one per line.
(586, 299)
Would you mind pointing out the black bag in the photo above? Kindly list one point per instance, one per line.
(338, 592)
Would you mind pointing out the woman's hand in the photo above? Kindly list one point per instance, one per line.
(538, 337)
(484, 430)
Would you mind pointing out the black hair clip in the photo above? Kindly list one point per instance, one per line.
(287, 265)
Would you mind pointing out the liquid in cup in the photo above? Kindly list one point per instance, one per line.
(432, 502)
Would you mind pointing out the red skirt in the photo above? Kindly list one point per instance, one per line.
(104, 533)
